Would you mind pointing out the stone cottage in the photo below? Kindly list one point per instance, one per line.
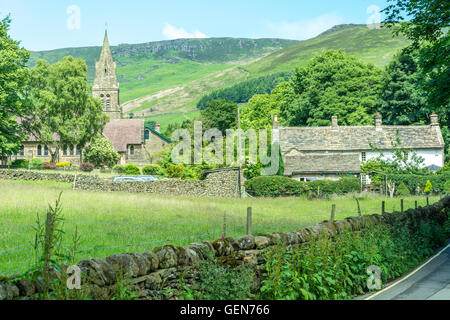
(311, 153)
(135, 141)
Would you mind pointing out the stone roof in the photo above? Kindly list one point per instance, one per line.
(349, 138)
(123, 132)
(321, 163)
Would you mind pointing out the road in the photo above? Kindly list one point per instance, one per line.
(430, 281)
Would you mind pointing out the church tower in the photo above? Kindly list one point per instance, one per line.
(106, 86)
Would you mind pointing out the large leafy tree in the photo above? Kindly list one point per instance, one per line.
(220, 114)
(13, 74)
(63, 112)
(403, 101)
(334, 83)
(101, 153)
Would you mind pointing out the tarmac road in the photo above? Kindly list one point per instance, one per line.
(430, 281)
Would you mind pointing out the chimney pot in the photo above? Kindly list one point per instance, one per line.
(434, 119)
(334, 122)
(378, 121)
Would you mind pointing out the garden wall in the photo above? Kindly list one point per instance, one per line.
(218, 183)
(156, 273)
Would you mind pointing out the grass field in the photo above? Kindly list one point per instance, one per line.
(122, 222)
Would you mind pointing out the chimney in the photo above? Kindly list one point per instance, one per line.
(276, 123)
(434, 120)
(334, 123)
(378, 121)
(158, 127)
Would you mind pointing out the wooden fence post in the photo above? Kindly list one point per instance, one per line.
(383, 207)
(249, 221)
(428, 201)
(224, 225)
(415, 204)
(401, 205)
(333, 211)
(359, 208)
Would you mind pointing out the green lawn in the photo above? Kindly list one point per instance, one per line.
(122, 222)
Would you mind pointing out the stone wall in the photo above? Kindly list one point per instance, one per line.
(218, 183)
(154, 272)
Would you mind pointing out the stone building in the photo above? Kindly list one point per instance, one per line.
(135, 141)
(311, 153)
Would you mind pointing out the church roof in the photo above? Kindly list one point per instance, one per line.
(123, 132)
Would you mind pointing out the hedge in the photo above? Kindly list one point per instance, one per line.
(412, 181)
(277, 186)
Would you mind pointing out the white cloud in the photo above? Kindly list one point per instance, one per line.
(171, 32)
(301, 30)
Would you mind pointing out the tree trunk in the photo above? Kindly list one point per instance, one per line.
(391, 187)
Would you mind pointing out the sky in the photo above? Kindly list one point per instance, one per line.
(52, 24)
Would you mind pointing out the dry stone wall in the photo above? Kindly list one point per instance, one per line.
(155, 274)
(218, 183)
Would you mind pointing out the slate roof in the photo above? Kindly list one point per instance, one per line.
(122, 132)
(349, 138)
(322, 163)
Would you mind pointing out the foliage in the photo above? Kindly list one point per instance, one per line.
(220, 114)
(175, 170)
(428, 187)
(20, 163)
(447, 187)
(132, 169)
(330, 269)
(63, 164)
(277, 186)
(446, 168)
(335, 84)
(62, 111)
(243, 91)
(13, 77)
(153, 169)
(37, 163)
(402, 190)
(119, 169)
(416, 182)
(101, 153)
(87, 167)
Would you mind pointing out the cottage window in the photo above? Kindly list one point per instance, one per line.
(108, 102)
(363, 156)
(147, 134)
(132, 150)
(22, 150)
(39, 150)
(45, 151)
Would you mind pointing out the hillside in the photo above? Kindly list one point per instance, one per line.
(147, 68)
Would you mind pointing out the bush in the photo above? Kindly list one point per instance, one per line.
(415, 181)
(87, 167)
(175, 171)
(447, 187)
(277, 186)
(402, 190)
(49, 165)
(119, 169)
(20, 163)
(428, 187)
(101, 153)
(63, 164)
(132, 169)
(37, 163)
(153, 169)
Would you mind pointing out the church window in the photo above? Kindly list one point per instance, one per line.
(132, 150)
(147, 134)
(39, 150)
(65, 150)
(45, 151)
(108, 102)
(71, 150)
(78, 150)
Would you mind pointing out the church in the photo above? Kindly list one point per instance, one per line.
(135, 141)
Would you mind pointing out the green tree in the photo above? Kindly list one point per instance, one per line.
(62, 110)
(334, 83)
(101, 153)
(13, 75)
(428, 187)
(402, 100)
(220, 114)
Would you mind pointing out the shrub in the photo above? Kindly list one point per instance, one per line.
(276, 186)
(447, 187)
(132, 169)
(87, 167)
(175, 171)
(415, 181)
(119, 169)
(152, 169)
(101, 153)
(402, 190)
(63, 164)
(49, 165)
(20, 163)
(37, 163)
(428, 187)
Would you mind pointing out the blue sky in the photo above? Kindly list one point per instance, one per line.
(51, 24)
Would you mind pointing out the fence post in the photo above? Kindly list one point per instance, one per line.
(224, 225)
(401, 205)
(359, 208)
(74, 182)
(383, 207)
(415, 204)
(249, 221)
(428, 201)
(333, 210)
